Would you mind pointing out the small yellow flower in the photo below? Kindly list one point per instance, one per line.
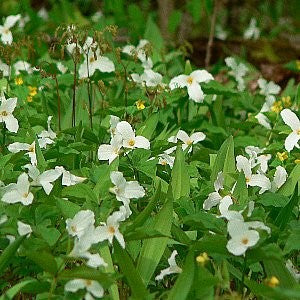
(298, 64)
(277, 107)
(140, 105)
(202, 258)
(286, 101)
(19, 81)
(282, 156)
(32, 91)
(297, 161)
(272, 282)
(29, 99)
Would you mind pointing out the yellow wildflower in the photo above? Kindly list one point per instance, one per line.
(272, 282)
(297, 161)
(19, 81)
(29, 99)
(202, 258)
(286, 100)
(282, 156)
(140, 105)
(277, 107)
(32, 91)
(298, 64)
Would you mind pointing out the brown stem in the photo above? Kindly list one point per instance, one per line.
(58, 104)
(217, 4)
(74, 96)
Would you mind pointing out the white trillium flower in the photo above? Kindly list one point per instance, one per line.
(30, 148)
(110, 229)
(291, 119)
(92, 286)
(45, 179)
(68, 178)
(238, 71)
(172, 269)
(130, 140)
(125, 190)
(252, 32)
(6, 35)
(22, 65)
(83, 220)
(24, 229)
(293, 270)
(140, 53)
(3, 219)
(268, 89)
(263, 120)
(187, 140)
(46, 137)
(192, 83)
(62, 68)
(214, 198)
(7, 107)
(226, 213)
(4, 68)
(242, 237)
(260, 180)
(149, 78)
(111, 151)
(19, 192)
(166, 159)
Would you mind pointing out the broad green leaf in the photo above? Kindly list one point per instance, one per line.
(288, 188)
(43, 259)
(225, 162)
(13, 291)
(9, 252)
(215, 88)
(138, 288)
(67, 208)
(149, 126)
(273, 199)
(185, 280)
(80, 190)
(153, 249)
(180, 180)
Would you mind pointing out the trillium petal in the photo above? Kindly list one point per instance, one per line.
(11, 123)
(125, 129)
(235, 247)
(11, 197)
(23, 229)
(201, 76)
(243, 164)
(195, 92)
(197, 137)
(117, 178)
(263, 120)
(10, 21)
(280, 176)
(183, 136)
(7, 37)
(95, 289)
(134, 190)
(119, 237)
(105, 152)
(74, 285)
(291, 141)
(178, 82)
(17, 147)
(290, 119)
(142, 142)
(104, 64)
(212, 200)
(260, 180)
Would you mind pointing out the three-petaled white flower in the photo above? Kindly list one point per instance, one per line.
(260, 180)
(68, 178)
(252, 32)
(7, 107)
(291, 119)
(166, 159)
(238, 71)
(192, 83)
(44, 179)
(19, 192)
(94, 60)
(110, 229)
(187, 140)
(139, 51)
(257, 158)
(46, 137)
(148, 78)
(130, 140)
(268, 89)
(172, 269)
(125, 190)
(6, 35)
(111, 151)
(93, 287)
(22, 65)
(30, 148)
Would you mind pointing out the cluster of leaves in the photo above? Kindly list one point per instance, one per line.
(72, 227)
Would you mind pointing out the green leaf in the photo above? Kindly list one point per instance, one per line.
(80, 190)
(180, 179)
(13, 291)
(215, 88)
(9, 253)
(225, 162)
(68, 208)
(288, 188)
(185, 280)
(149, 126)
(273, 199)
(153, 249)
(45, 260)
(125, 263)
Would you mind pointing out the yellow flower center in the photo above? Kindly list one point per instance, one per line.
(298, 131)
(74, 228)
(88, 282)
(163, 162)
(245, 241)
(25, 195)
(92, 59)
(189, 142)
(32, 91)
(29, 99)
(131, 143)
(247, 179)
(4, 113)
(31, 149)
(19, 81)
(202, 258)
(189, 80)
(6, 30)
(111, 229)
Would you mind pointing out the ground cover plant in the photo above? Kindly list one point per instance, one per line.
(128, 172)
